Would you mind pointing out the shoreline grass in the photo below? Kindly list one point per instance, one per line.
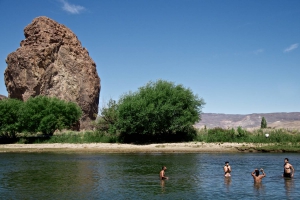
(278, 140)
(284, 147)
(241, 135)
(267, 140)
(72, 137)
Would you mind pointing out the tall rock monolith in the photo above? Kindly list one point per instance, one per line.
(51, 62)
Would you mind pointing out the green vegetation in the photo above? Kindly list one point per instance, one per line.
(241, 135)
(263, 123)
(47, 114)
(37, 115)
(279, 140)
(280, 147)
(107, 120)
(9, 123)
(158, 112)
(71, 137)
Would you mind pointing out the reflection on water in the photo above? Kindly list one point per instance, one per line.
(135, 176)
(289, 186)
(258, 186)
(227, 181)
(259, 189)
(162, 184)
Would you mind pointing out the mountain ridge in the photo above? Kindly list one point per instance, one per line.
(288, 120)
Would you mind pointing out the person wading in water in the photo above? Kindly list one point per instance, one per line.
(257, 178)
(289, 170)
(162, 173)
(227, 169)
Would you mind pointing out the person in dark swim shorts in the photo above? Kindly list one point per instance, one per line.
(289, 170)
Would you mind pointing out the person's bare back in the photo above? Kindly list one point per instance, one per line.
(256, 177)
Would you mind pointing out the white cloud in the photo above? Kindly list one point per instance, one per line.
(258, 51)
(291, 48)
(71, 8)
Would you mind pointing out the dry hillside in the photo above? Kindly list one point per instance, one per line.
(274, 120)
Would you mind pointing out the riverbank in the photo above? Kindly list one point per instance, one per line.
(186, 147)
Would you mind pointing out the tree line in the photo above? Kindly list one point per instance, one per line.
(160, 111)
(38, 114)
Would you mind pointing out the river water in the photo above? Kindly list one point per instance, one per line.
(135, 176)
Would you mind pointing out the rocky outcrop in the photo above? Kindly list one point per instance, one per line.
(51, 61)
(2, 97)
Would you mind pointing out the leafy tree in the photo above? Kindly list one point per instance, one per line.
(9, 109)
(158, 112)
(108, 117)
(46, 114)
(263, 123)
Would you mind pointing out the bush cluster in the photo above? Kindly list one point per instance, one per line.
(40, 114)
(158, 112)
(9, 117)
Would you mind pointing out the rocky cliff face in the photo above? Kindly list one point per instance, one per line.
(51, 61)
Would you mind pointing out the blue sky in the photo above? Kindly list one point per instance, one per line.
(240, 56)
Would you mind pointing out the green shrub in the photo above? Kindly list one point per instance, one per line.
(241, 133)
(46, 114)
(158, 112)
(220, 135)
(82, 137)
(9, 123)
(108, 118)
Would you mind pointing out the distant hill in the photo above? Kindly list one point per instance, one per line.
(2, 97)
(274, 120)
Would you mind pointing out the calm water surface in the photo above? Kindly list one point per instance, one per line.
(135, 176)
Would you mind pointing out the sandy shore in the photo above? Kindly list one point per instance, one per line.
(187, 147)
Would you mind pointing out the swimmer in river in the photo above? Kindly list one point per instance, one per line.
(162, 173)
(289, 170)
(257, 178)
(227, 169)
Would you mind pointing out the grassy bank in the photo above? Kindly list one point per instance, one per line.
(279, 147)
(241, 135)
(266, 140)
(72, 137)
(278, 140)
